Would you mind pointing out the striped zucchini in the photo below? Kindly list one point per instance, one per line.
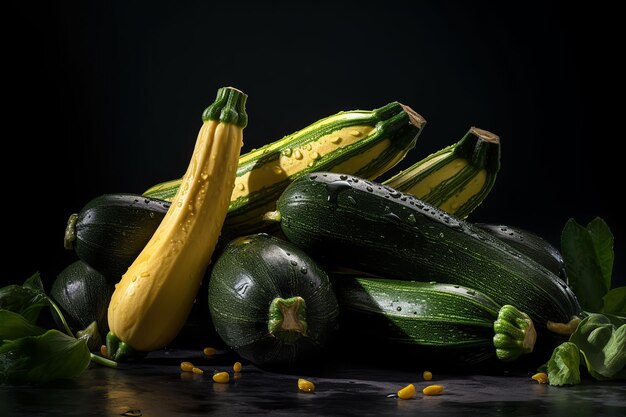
(455, 179)
(424, 315)
(359, 224)
(364, 143)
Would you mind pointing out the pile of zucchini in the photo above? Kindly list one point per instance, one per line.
(314, 245)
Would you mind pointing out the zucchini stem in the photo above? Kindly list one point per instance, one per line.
(564, 329)
(272, 216)
(121, 351)
(515, 334)
(287, 319)
(229, 107)
(70, 232)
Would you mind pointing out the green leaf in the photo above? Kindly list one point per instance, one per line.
(27, 299)
(615, 301)
(586, 262)
(34, 283)
(13, 326)
(39, 359)
(564, 365)
(603, 246)
(602, 341)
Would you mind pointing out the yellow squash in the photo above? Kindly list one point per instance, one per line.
(358, 142)
(151, 302)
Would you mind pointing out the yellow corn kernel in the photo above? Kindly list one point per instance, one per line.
(209, 351)
(305, 386)
(197, 371)
(104, 351)
(433, 390)
(237, 367)
(221, 377)
(540, 377)
(407, 392)
(186, 366)
(427, 375)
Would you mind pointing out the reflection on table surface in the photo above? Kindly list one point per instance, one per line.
(157, 387)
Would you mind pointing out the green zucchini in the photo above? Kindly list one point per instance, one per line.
(457, 178)
(435, 317)
(271, 302)
(355, 223)
(364, 143)
(83, 295)
(112, 229)
(531, 245)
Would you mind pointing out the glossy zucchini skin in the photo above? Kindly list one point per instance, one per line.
(363, 142)
(531, 245)
(355, 223)
(112, 229)
(252, 272)
(440, 319)
(154, 297)
(83, 295)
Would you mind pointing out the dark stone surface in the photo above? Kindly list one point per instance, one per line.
(157, 387)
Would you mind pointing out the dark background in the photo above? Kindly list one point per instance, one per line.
(107, 98)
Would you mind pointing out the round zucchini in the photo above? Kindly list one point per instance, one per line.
(112, 229)
(83, 295)
(270, 302)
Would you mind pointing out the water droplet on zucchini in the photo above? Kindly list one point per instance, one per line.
(297, 154)
(334, 188)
